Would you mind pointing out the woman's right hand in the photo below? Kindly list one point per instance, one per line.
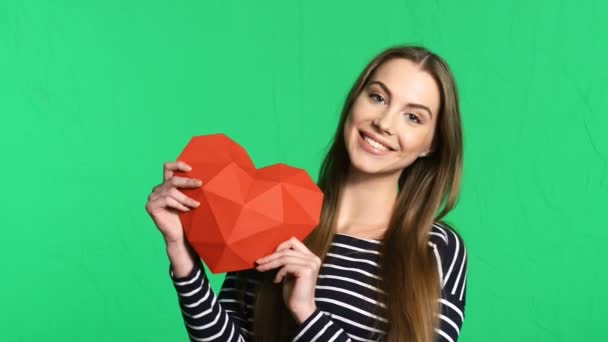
(166, 201)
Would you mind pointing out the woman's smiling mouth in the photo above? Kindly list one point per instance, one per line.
(372, 145)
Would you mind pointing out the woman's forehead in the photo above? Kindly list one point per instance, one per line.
(407, 82)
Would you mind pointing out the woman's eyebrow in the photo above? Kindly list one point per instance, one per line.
(420, 106)
(383, 86)
(415, 105)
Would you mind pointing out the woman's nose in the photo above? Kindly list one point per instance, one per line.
(383, 123)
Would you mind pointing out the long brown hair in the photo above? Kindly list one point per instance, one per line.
(407, 267)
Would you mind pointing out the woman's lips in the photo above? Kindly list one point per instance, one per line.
(367, 147)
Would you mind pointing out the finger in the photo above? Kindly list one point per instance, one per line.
(183, 199)
(282, 261)
(294, 244)
(180, 182)
(157, 191)
(183, 182)
(299, 271)
(279, 254)
(167, 202)
(173, 203)
(153, 196)
(169, 167)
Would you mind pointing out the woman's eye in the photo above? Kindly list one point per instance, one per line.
(376, 98)
(413, 117)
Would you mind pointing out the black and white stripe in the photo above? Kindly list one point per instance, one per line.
(346, 295)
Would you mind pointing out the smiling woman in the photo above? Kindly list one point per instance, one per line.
(396, 124)
(381, 265)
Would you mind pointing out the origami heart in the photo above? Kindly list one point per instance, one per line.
(244, 213)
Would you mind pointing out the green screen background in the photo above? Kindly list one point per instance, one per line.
(96, 95)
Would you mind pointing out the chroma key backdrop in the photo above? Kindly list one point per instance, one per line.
(96, 95)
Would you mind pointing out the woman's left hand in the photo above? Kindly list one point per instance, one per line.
(299, 271)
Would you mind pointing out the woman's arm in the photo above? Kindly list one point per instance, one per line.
(205, 317)
(319, 327)
(297, 271)
(451, 255)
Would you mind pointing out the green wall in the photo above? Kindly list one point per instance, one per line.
(96, 95)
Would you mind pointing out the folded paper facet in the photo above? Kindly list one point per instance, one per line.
(244, 213)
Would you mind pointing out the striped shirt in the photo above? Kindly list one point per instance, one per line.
(345, 295)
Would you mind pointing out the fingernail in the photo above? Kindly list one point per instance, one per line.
(189, 168)
(197, 204)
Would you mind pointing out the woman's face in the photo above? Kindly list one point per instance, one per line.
(393, 119)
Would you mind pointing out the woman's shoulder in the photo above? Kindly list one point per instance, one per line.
(450, 251)
(445, 236)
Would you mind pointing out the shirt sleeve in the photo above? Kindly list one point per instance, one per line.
(451, 255)
(319, 327)
(206, 318)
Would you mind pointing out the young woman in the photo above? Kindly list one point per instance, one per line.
(380, 265)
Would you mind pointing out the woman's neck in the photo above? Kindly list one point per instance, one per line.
(366, 204)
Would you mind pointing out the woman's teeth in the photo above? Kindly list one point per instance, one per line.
(373, 143)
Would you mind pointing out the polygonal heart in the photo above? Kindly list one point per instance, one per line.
(244, 213)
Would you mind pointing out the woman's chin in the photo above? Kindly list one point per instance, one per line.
(367, 167)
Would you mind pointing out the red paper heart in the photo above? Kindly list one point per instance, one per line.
(244, 213)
